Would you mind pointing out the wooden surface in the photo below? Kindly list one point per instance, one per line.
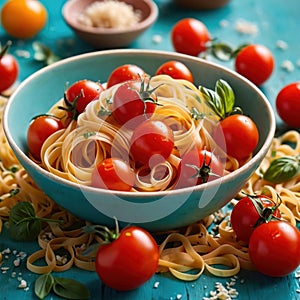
(274, 21)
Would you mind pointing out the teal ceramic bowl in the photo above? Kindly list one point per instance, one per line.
(154, 211)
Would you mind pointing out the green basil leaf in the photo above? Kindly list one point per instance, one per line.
(43, 285)
(23, 224)
(221, 100)
(20, 211)
(226, 94)
(221, 51)
(70, 289)
(282, 169)
(44, 54)
(212, 99)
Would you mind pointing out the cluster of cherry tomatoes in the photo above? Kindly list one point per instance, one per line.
(254, 61)
(152, 141)
(273, 244)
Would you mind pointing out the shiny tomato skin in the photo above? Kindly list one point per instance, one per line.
(200, 158)
(237, 135)
(129, 261)
(39, 130)
(176, 70)
(128, 107)
(84, 91)
(274, 248)
(113, 174)
(151, 143)
(244, 216)
(9, 71)
(125, 73)
(23, 18)
(288, 104)
(190, 36)
(255, 62)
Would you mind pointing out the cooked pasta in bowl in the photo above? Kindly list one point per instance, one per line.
(146, 150)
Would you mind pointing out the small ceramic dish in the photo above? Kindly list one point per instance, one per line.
(103, 37)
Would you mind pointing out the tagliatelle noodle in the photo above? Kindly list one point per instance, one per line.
(199, 250)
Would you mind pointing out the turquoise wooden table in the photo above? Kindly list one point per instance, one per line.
(274, 23)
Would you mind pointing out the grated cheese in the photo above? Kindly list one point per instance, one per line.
(282, 45)
(109, 14)
(287, 65)
(245, 27)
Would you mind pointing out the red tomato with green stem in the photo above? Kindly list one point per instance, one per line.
(79, 95)
(113, 174)
(250, 212)
(176, 70)
(198, 166)
(133, 103)
(39, 130)
(129, 260)
(288, 104)
(125, 73)
(238, 136)
(190, 36)
(9, 68)
(255, 62)
(151, 143)
(274, 248)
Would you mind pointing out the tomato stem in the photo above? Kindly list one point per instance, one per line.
(4, 50)
(266, 213)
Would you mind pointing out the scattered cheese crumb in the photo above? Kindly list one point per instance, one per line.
(224, 23)
(109, 14)
(287, 65)
(23, 284)
(23, 53)
(157, 39)
(245, 27)
(282, 45)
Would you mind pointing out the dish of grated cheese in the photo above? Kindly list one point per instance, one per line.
(109, 14)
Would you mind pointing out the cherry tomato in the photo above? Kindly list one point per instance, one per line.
(237, 135)
(176, 70)
(133, 102)
(80, 94)
(39, 130)
(129, 261)
(288, 104)
(255, 62)
(23, 18)
(113, 174)
(124, 73)
(274, 248)
(245, 215)
(9, 69)
(198, 166)
(152, 142)
(190, 36)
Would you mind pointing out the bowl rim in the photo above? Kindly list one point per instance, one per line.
(154, 11)
(168, 55)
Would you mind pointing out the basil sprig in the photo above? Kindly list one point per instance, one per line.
(282, 169)
(221, 100)
(23, 223)
(63, 287)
